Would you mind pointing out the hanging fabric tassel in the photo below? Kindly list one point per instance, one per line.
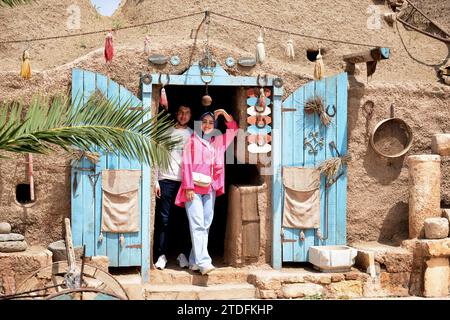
(318, 68)
(302, 236)
(260, 51)
(109, 49)
(25, 68)
(290, 49)
(163, 99)
(147, 45)
(100, 237)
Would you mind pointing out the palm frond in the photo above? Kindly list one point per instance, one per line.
(98, 124)
(13, 3)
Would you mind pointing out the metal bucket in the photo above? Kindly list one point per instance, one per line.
(392, 137)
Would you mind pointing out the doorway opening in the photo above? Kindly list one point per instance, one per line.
(234, 100)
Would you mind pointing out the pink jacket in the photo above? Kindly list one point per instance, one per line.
(199, 157)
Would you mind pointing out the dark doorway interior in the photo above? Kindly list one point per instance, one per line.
(230, 99)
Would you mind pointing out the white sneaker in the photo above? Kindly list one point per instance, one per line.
(182, 261)
(161, 263)
(194, 267)
(207, 269)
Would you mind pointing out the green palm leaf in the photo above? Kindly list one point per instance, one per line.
(12, 3)
(98, 124)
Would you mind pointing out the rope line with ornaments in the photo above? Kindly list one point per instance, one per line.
(109, 51)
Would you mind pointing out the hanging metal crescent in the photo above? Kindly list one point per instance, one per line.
(168, 79)
(334, 111)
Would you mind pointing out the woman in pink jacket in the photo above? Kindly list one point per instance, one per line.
(204, 157)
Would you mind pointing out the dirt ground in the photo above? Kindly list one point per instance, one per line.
(377, 190)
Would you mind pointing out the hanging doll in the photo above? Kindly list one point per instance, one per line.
(25, 68)
(260, 50)
(109, 49)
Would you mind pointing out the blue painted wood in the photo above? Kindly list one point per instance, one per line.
(88, 191)
(296, 126)
(252, 101)
(276, 180)
(342, 96)
(146, 200)
(112, 239)
(331, 135)
(77, 192)
(385, 52)
(100, 246)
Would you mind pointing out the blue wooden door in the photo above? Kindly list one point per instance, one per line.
(86, 185)
(306, 142)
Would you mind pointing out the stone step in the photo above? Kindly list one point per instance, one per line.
(221, 275)
(195, 292)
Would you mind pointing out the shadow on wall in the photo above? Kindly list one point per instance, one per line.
(395, 225)
(384, 170)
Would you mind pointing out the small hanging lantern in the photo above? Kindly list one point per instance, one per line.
(290, 49)
(318, 68)
(109, 49)
(147, 45)
(260, 50)
(25, 68)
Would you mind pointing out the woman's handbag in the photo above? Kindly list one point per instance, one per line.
(201, 179)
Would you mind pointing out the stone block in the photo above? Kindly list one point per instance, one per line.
(13, 246)
(436, 277)
(58, 249)
(268, 283)
(11, 237)
(395, 284)
(440, 144)
(267, 294)
(436, 248)
(5, 228)
(351, 275)
(436, 228)
(446, 214)
(337, 277)
(300, 290)
(345, 289)
(365, 260)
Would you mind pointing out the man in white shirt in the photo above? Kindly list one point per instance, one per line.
(166, 188)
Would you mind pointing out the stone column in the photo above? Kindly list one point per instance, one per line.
(424, 191)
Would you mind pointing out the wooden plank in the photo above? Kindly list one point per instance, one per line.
(310, 122)
(88, 191)
(367, 55)
(77, 189)
(100, 246)
(331, 135)
(276, 181)
(217, 80)
(112, 239)
(135, 238)
(320, 91)
(70, 253)
(146, 200)
(124, 253)
(342, 93)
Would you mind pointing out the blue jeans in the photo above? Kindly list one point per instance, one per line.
(165, 208)
(200, 212)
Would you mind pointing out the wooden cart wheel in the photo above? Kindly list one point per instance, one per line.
(52, 278)
(84, 294)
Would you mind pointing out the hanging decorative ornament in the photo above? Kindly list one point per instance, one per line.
(25, 68)
(147, 45)
(318, 68)
(109, 49)
(261, 105)
(163, 99)
(260, 50)
(290, 49)
(206, 99)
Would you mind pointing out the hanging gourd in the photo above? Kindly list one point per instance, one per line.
(109, 49)
(318, 68)
(290, 49)
(260, 50)
(25, 68)
(206, 99)
(147, 45)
